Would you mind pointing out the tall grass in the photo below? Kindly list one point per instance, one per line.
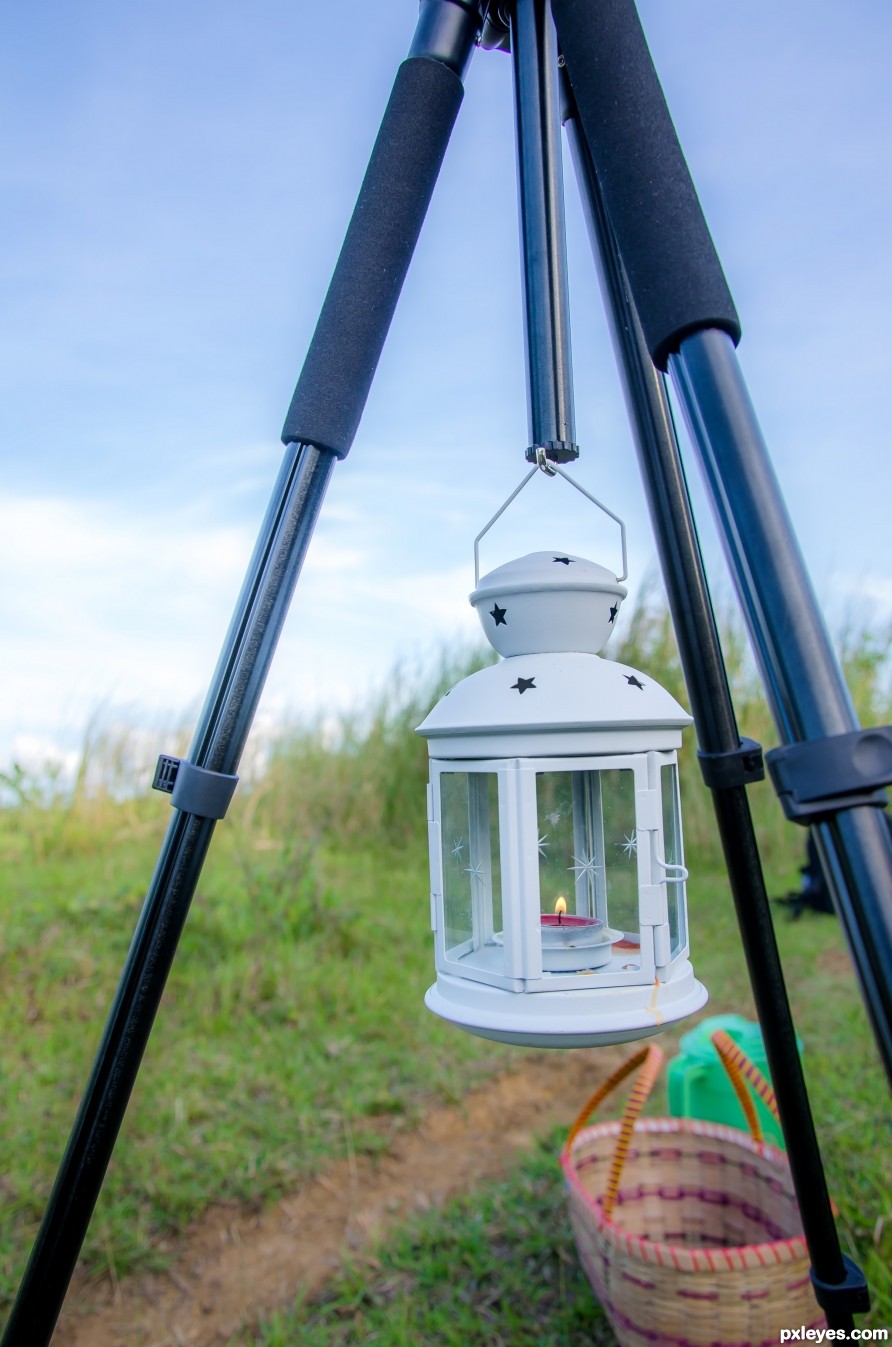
(359, 777)
(47, 814)
(648, 642)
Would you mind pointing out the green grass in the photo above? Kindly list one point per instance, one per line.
(293, 1019)
(292, 1013)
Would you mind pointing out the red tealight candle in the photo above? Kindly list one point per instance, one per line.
(565, 921)
(571, 942)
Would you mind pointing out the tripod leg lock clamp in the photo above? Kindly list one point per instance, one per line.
(194, 790)
(817, 778)
(851, 1296)
(738, 767)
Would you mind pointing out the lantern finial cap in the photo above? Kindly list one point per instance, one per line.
(548, 602)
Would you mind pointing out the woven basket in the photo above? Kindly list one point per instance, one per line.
(689, 1232)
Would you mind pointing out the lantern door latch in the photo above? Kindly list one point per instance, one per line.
(819, 777)
(194, 790)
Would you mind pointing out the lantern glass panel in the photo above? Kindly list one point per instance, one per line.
(469, 825)
(673, 855)
(621, 850)
(588, 847)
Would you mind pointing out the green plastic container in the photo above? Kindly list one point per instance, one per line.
(698, 1083)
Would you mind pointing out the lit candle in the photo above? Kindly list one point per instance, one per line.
(571, 943)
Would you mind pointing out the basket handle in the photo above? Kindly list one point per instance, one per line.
(742, 1072)
(650, 1060)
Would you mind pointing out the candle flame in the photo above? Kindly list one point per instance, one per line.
(560, 906)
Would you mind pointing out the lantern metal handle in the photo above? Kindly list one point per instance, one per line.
(551, 470)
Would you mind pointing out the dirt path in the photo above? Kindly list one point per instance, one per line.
(236, 1266)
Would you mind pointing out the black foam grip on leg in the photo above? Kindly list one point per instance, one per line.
(674, 272)
(337, 374)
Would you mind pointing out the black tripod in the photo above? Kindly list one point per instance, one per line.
(671, 313)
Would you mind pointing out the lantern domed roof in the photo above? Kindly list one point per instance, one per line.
(554, 703)
(548, 601)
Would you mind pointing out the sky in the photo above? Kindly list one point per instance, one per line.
(175, 182)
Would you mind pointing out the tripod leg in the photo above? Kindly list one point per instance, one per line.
(338, 371)
(325, 412)
(689, 324)
(808, 697)
(714, 718)
(674, 271)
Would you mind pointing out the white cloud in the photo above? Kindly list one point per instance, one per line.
(876, 587)
(864, 598)
(34, 753)
(124, 614)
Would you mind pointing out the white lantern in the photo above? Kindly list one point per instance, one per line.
(557, 868)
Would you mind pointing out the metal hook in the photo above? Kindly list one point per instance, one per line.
(681, 871)
(543, 462)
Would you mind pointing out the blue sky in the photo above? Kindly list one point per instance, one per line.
(175, 181)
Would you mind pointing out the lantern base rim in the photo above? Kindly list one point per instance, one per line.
(575, 1019)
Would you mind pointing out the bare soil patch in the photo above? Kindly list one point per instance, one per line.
(235, 1265)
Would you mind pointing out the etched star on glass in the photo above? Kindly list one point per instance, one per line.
(585, 867)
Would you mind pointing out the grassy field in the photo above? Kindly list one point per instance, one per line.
(293, 1022)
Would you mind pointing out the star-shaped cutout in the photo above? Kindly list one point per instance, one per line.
(458, 849)
(524, 685)
(565, 561)
(499, 615)
(633, 681)
(613, 612)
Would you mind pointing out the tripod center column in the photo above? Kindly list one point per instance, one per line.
(540, 186)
